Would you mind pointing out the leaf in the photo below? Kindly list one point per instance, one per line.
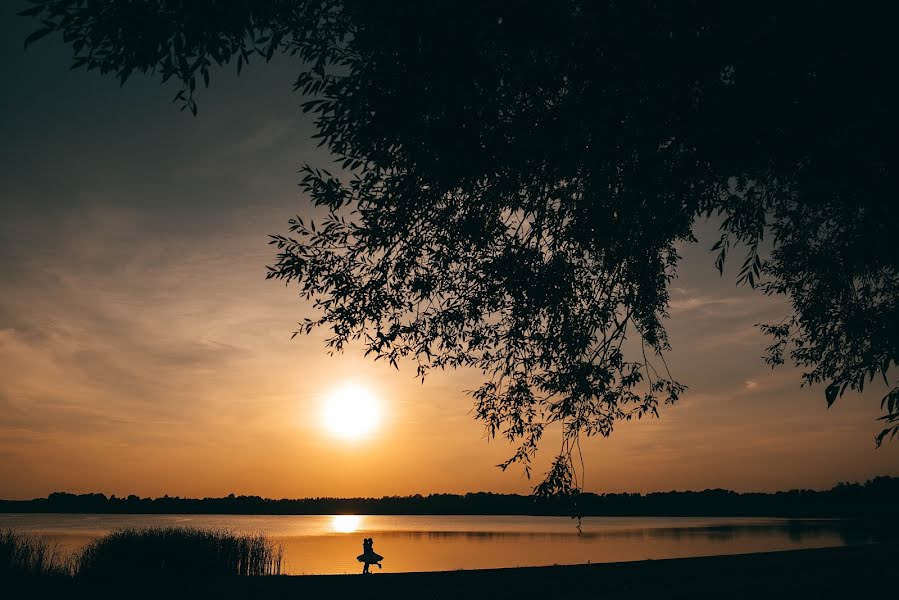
(36, 35)
(719, 262)
(30, 12)
(831, 393)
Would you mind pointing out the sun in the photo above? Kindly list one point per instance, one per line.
(351, 412)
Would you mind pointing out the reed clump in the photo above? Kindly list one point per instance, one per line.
(26, 554)
(178, 552)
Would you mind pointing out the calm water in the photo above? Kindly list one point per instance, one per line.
(329, 544)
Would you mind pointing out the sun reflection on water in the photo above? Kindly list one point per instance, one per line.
(346, 523)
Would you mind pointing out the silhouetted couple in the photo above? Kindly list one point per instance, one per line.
(368, 556)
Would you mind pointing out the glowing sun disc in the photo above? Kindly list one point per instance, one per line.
(351, 412)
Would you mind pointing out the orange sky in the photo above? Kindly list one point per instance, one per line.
(142, 351)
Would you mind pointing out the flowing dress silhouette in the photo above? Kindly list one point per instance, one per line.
(369, 556)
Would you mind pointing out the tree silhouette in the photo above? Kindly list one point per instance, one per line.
(515, 177)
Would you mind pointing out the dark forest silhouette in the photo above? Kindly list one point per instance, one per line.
(516, 177)
(875, 498)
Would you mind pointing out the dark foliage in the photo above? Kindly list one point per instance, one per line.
(515, 177)
(23, 554)
(178, 552)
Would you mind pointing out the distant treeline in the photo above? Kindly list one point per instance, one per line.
(878, 498)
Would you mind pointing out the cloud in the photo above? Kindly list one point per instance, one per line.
(685, 303)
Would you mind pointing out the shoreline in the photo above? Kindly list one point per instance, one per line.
(871, 499)
(838, 572)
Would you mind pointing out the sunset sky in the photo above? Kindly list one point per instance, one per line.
(142, 350)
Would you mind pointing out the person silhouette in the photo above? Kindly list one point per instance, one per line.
(369, 556)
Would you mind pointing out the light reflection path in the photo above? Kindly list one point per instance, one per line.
(346, 523)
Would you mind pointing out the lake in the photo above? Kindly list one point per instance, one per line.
(324, 544)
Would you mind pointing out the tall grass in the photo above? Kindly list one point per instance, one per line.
(23, 553)
(178, 552)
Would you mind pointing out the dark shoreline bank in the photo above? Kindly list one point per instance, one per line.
(875, 499)
(844, 572)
